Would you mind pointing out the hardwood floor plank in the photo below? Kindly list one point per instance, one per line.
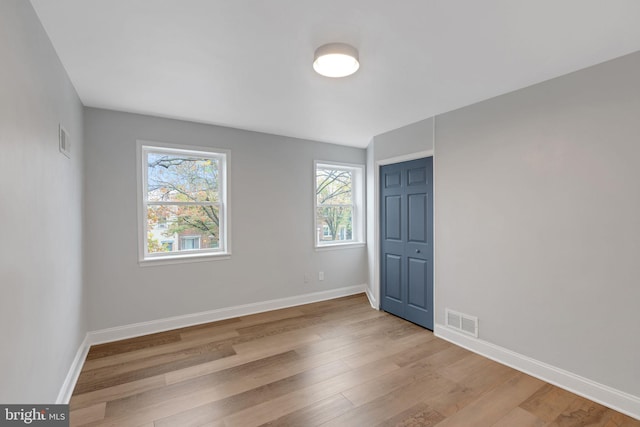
(213, 424)
(227, 325)
(383, 385)
(289, 339)
(87, 415)
(314, 414)
(345, 344)
(345, 315)
(221, 364)
(391, 349)
(181, 397)
(332, 363)
(471, 384)
(180, 353)
(396, 401)
(131, 344)
(211, 382)
(418, 415)
(337, 304)
(520, 418)
(583, 412)
(548, 402)
(258, 318)
(262, 348)
(426, 348)
(365, 327)
(280, 407)
(468, 365)
(158, 350)
(329, 320)
(218, 409)
(493, 405)
(279, 326)
(87, 382)
(620, 420)
(111, 393)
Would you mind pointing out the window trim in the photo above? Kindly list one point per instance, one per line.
(145, 259)
(358, 203)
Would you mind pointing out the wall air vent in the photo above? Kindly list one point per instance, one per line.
(64, 141)
(462, 322)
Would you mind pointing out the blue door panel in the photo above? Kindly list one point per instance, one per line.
(417, 213)
(406, 240)
(393, 265)
(392, 206)
(417, 274)
(417, 176)
(392, 179)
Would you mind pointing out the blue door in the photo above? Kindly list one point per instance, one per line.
(406, 240)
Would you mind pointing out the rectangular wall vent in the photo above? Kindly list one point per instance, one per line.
(65, 143)
(462, 322)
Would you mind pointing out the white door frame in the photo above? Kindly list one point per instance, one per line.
(375, 298)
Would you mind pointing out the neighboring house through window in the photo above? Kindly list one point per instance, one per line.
(183, 202)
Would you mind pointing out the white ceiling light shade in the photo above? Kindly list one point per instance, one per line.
(336, 60)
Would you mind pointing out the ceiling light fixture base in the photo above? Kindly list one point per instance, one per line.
(336, 60)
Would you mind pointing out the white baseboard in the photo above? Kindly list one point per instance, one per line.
(161, 325)
(370, 297)
(74, 372)
(615, 399)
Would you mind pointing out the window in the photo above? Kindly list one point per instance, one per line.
(188, 243)
(339, 204)
(183, 202)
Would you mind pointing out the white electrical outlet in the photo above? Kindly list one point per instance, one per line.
(321, 275)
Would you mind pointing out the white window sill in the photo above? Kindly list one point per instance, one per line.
(335, 246)
(182, 259)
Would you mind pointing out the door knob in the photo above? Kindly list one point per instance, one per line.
(417, 251)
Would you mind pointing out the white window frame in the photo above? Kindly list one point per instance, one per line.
(358, 205)
(223, 251)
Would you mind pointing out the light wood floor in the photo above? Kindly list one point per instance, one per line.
(333, 363)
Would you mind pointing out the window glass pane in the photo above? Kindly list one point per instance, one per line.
(333, 186)
(189, 242)
(335, 223)
(178, 178)
(182, 228)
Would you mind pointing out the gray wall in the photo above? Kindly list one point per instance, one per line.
(42, 320)
(538, 221)
(413, 138)
(272, 223)
(399, 143)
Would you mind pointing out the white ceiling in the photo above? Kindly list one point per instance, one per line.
(247, 63)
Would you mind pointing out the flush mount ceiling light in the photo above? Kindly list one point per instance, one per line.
(336, 60)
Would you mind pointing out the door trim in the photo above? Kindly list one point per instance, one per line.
(374, 298)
